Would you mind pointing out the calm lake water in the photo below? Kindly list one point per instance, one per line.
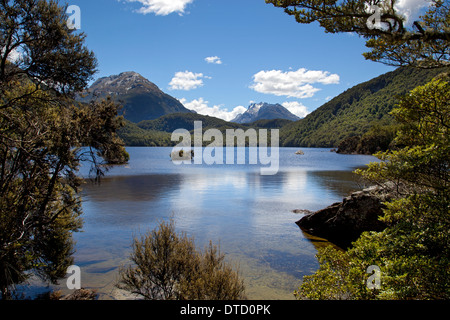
(248, 214)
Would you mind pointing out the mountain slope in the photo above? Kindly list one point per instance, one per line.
(141, 99)
(172, 122)
(264, 111)
(355, 111)
(158, 132)
(134, 136)
(269, 124)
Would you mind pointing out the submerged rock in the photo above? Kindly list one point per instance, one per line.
(343, 222)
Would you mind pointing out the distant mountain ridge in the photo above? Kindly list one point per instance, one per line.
(158, 132)
(141, 99)
(152, 115)
(355, 111)
(265, 111)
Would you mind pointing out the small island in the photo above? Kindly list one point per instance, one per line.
(181, 155)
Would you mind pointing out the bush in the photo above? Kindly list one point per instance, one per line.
(413, 252)
(167, 266)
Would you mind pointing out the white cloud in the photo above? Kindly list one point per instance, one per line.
(215, 60)
(296, 108)
(15, 56)
(201, 107)
(410, 9)
(296, 84)
(162, 7)
(187, 80)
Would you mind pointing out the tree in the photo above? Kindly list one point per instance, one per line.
(422, 164)
(413, 251)
(44, 135)
(167, 266)
(34, 35)
(423, 43)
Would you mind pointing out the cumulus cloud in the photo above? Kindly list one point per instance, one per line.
(295, 84)
(410, 9)
(215, 60)
(162, 7)
(187, 80)
(202, 107)
(296, 108)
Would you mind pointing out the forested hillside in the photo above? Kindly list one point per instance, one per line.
(174, 121)
(158, 132)
(351, 114)
(355, 111)
(134, 136)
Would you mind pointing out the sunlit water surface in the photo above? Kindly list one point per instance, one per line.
(248, 214)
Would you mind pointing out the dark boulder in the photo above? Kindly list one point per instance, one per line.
(342, 223)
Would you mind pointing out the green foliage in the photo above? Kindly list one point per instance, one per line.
(44, 136)
(270, 124)
(51, 54)
(158, 132)
(356, 111)
(167, 266)
(341, 276)
(423, 116)
(393, 42)
(413, 252)
(174, 121)
(332, 278)
(132, 135)
(378, 138)
(427, 47)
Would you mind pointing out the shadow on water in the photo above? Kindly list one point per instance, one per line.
(339, 182)
(131, 188)
(250, 215)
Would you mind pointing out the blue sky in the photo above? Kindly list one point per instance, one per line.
(218, 56)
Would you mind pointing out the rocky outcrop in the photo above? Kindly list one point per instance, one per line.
(343, 222)
(141, 99)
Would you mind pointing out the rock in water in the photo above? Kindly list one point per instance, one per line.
(342, 223)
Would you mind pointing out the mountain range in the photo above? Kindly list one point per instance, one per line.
(141, 99)
(151, 115)
(355, 111)
(264, 111)
(158, 132)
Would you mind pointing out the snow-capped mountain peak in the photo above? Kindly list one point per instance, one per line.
(262, 110)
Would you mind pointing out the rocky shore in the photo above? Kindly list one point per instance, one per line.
(343, 222)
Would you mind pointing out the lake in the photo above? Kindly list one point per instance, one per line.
(248, 214)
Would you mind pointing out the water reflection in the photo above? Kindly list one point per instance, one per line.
(248, 214)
